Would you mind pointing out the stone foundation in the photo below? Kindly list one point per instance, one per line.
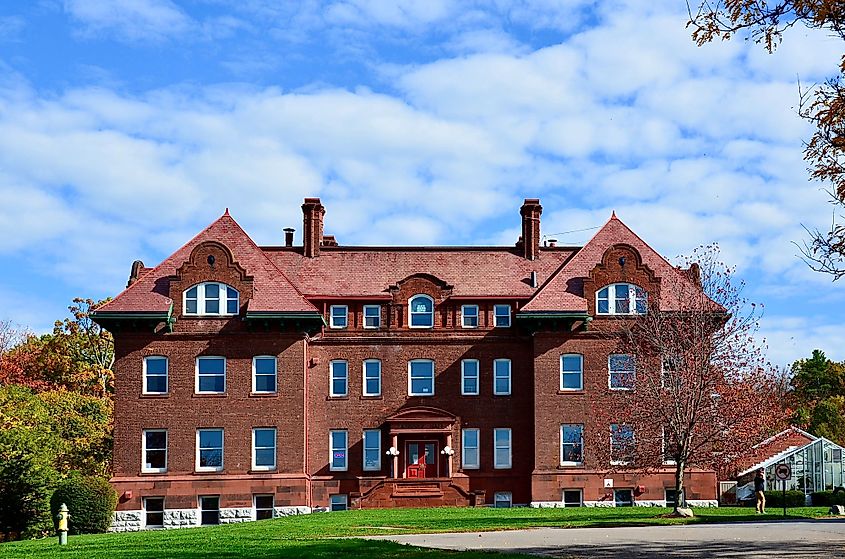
(180, 518)
(609, 503)
(235, 515)
(127, 521)
(280, 512)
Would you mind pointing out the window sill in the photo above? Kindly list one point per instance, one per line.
(572, 391)
(471, 395)
(502, 395)
(153, 472)
(263, 394)
(617, 389)
(210, 395)
(372, 397)
(420, 395)
(570, 465)
(210, 471)
(156, 395)
(330, 397)
(259, 470)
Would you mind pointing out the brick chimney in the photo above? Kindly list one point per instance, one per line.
(530, 212)
(312, 226)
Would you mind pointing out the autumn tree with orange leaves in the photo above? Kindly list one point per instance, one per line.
(823, 105)
(700, 392)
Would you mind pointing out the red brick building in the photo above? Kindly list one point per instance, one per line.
(259, 381)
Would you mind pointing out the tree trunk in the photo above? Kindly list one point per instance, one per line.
(680, 497)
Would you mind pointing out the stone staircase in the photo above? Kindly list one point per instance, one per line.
(405, 493)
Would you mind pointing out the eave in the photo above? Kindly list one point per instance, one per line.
(301, 321)
(553, 321)
(134, 320)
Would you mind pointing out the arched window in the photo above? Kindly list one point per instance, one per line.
(211, 299)
(621, 298)
(421, 311)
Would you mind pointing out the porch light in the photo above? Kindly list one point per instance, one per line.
(448, 451)
(392, 451)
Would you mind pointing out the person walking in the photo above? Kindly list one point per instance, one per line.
(759, 486)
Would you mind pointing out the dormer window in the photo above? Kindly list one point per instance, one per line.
(621, 298)
(421, 311)
(211, 299)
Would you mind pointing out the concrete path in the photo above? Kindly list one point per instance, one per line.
(758, 540)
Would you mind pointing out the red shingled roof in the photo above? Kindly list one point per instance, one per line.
(368, 272)
(564, 291)
(273, 291)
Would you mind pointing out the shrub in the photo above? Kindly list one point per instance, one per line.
(827, 498)
(793, 498)
(91, 501)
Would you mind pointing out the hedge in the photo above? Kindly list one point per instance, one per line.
(90, 500)
(793, 498)
(827, 498)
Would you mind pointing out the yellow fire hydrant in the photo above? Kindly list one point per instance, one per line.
(63, 517)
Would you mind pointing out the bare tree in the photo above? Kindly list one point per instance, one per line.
(823, 105)
(702, 392)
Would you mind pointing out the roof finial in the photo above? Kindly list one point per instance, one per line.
(226, 212)
(613, 215)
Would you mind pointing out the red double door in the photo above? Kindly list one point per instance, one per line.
(421, 459)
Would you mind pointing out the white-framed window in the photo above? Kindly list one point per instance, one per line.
(503, 500)
(621, 444)
(339, 381)
(153, 512)
(469, 316)
(211, 299)
(338, 502)
(668, 447)
(264, 448)
(155, 374)
(154, 451)
(572, 498)
(263, 505)
(502, 448)
(622, 370)
(372, 377)
(209, 450)
(421, 311)
(470, 455)
(338, 450)
(621, 298)
(670, 364)
(502, 316)
(211, 375)
(264, 374)
(421, 377)
(338, 316)
(372, 450)
(502, 377)
(372, 316)
(469, 377)
(209, 509)
(571, 444)
(571, 371)
(670, 496)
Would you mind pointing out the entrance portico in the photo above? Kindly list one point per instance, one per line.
(421, 443)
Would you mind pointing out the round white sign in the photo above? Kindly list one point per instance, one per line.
(783, 471)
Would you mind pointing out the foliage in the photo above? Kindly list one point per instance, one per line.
(823, 105)
(828, 498)
(332, 534)
(703, 392)
(44, 436)
(27, 457)
(90, 500)
(78, 355)
(775, 499)
(818, 396)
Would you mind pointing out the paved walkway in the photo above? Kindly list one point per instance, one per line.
(759, 540)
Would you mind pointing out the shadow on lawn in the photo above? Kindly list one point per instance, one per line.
(261, 550)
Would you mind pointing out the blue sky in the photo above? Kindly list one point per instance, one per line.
(128, 125)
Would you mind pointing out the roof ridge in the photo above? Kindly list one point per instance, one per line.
(128, 288)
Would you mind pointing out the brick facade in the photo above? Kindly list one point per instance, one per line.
(286, 294)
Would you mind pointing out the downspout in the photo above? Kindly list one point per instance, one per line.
(305, 471)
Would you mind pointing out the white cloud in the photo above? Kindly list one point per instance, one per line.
(130, 19)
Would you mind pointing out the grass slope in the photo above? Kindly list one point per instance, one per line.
(328, 534)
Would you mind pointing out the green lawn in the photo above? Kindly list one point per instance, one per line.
(318, 535)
